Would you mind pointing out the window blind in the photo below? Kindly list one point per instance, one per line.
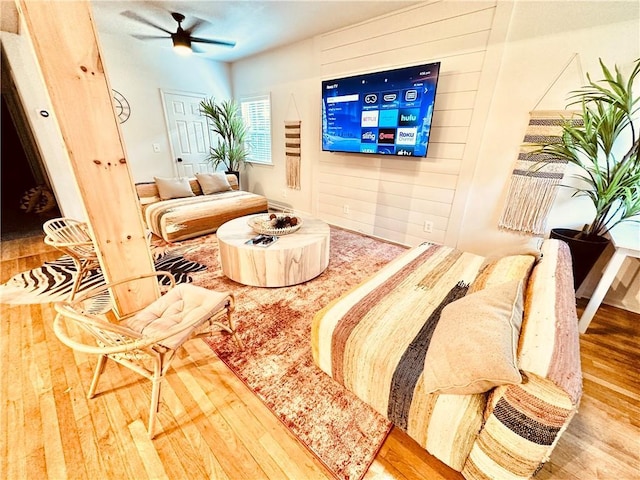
(256, 113)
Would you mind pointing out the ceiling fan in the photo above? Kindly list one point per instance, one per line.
(183, 39)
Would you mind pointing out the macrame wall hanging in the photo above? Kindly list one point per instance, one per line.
(533, 186)
(292, 149)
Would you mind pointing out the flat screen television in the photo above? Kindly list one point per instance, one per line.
(387, 112)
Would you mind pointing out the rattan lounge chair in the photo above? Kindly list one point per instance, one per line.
(72, 237)
(145, 341)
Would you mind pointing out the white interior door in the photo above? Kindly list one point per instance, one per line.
(188, 132)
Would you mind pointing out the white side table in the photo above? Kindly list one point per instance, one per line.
(626, 240)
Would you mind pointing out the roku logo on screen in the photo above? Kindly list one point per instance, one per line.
(406, 136)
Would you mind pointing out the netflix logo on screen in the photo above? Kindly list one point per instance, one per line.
(369, 118)
(387, 135)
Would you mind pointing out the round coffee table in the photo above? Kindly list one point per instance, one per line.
(292, 259)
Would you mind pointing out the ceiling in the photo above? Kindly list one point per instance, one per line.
(255, 26)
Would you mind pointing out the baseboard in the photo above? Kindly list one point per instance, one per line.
(277, 206)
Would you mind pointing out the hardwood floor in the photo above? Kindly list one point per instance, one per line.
(214, 427)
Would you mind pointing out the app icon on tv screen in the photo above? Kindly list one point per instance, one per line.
(386, 113)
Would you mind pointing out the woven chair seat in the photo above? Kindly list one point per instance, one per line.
(184, 304)
(144, 341)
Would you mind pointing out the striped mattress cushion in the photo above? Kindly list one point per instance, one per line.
(374, 340)
(524, 422)
(182, 218)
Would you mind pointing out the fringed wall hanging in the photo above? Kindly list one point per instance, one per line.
(536, 176)
(292, 152)
(292, 145)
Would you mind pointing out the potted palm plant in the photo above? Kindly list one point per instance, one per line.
(605, 147)
(231, 150)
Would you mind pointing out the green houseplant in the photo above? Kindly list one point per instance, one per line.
(605, 148)
(231, 150)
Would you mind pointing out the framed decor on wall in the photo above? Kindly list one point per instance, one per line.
(122, 107)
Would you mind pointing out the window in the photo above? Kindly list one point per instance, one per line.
(256, 113)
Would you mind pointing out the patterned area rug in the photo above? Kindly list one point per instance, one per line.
(52, 282)
(275, 326)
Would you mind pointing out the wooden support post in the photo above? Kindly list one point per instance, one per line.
(66, 46)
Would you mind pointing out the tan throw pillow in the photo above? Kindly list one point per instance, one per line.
(30, 199)
(474, 345)
(213, 182)
(495, 271)
(173, 187)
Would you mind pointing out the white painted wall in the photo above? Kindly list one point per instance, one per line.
(462, 183)
(289, 75)
(393, 197)
(387, 197)
(140, 71)
(491, 79)
(543, 38)
(34, 97)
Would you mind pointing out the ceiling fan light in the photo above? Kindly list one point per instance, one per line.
(182, 45)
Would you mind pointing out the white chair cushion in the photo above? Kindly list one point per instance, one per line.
(184, 303)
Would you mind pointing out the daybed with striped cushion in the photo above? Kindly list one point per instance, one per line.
(182, 218)
(390, 338)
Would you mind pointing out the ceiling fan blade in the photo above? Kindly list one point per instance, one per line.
(213, 42)
(196, 49)
(138, 18)
(151, 37)
(199, 22)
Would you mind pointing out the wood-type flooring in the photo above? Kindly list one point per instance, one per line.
(212, 426)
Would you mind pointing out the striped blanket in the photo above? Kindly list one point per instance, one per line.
(182, 218)
(374, 340)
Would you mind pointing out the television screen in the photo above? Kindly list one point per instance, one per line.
(387, 112)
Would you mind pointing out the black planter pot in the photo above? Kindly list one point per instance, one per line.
(584, 251)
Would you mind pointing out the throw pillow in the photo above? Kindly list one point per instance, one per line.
(37, 200)
(474, 345)
(46, 201)
(30, 199)
(213, 182)
(495, 271)
(173, 187)
(522, 246)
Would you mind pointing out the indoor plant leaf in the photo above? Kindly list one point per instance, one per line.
(610, 179)
(225, 121)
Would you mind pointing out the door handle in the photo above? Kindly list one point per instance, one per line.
(178, 160)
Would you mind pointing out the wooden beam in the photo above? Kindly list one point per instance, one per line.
(66, 46)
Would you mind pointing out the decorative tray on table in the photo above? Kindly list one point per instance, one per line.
(275, 224)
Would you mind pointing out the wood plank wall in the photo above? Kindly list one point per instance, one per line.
(392, 197)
